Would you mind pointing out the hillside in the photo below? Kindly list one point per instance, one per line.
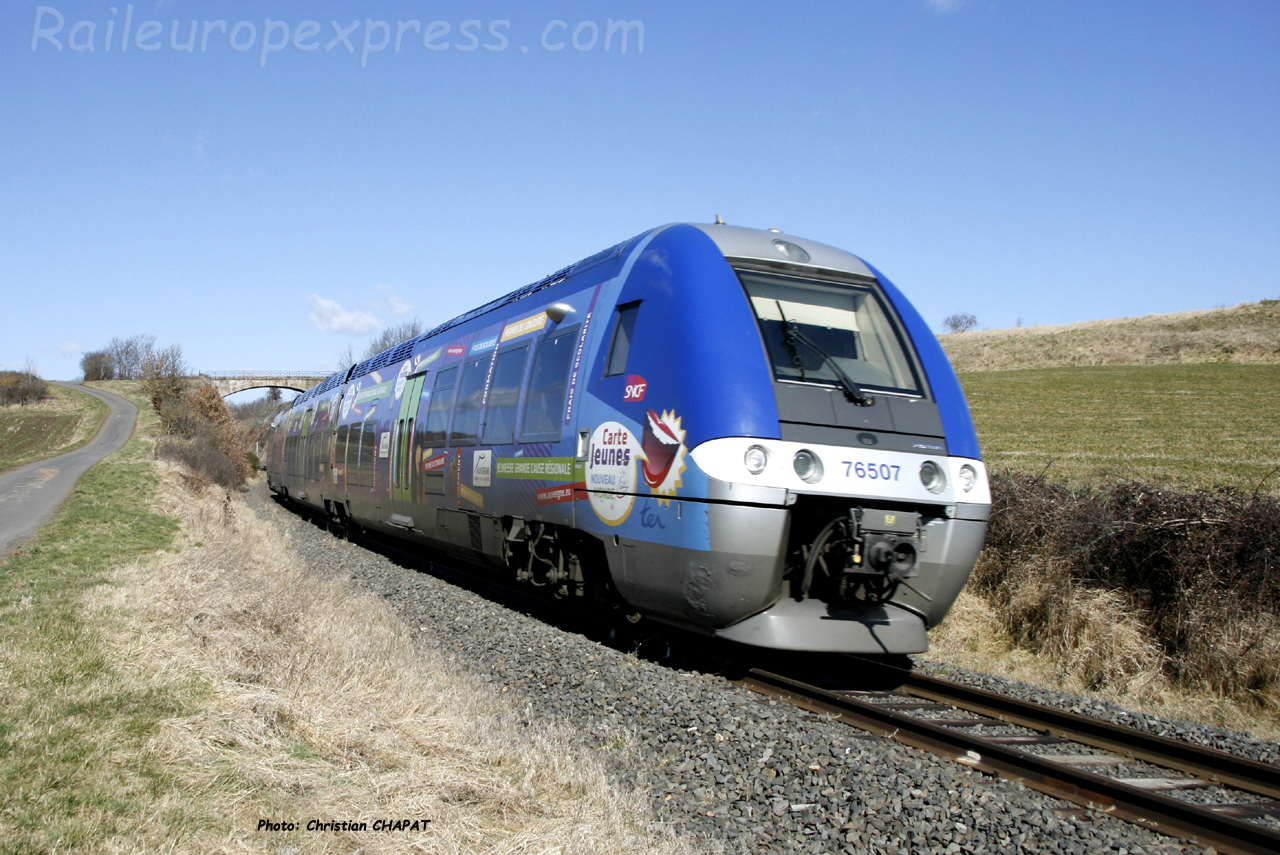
(64, 421)
(1248, 333)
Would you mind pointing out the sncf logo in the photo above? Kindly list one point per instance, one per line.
(635, 388)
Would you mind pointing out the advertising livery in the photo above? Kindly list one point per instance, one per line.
(741, 432)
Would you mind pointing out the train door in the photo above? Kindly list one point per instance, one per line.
(304, 459)
(402, 454)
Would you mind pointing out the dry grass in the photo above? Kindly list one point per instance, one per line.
(973, 636)
(1248, 333)
(1097, 595)
(1160, 600)
(322, 707)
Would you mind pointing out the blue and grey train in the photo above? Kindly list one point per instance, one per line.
(736, 431)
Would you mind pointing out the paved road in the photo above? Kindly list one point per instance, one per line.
(30, 495)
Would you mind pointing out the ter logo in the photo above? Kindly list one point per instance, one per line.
(636, 387)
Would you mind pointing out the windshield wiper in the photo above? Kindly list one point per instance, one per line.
(852, 391)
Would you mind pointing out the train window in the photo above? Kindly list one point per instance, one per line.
(504, 394)
(355, 453)
(438, 409)
(544, 407)
(340, 453)
(466, 414)
(814, 331)
(368, 452)
(620, 347)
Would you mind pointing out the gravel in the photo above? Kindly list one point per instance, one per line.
(1240, 744)
(732, 769)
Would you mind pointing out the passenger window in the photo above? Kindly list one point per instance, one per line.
(504, 394)
(544, 409)
(371, 450)
(340, 453)
(466, 415)
(438, 411)
(368, 450)
(620, 347)
(356, 455)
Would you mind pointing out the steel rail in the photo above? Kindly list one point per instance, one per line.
(1182, 819)
(1216, 766)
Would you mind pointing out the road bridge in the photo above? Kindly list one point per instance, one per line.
(230, 382)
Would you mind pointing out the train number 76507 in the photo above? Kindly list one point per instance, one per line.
(871, 471)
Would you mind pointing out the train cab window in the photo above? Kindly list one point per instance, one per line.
(548, 382)
(814, 331)
(466, 414)
(438, 409)
(620, 347)
(504, 394)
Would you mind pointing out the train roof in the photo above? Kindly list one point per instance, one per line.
(773, 245)
(732, 241)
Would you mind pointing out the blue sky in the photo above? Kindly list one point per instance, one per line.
(1042, 161)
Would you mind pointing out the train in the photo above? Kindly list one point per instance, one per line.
(739, 432)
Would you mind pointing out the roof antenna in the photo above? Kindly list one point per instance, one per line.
(719, 220)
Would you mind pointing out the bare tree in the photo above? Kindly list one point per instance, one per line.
(346, 358)
(128, 354)
(163, 375)
(960, 322)
(274, 395)
(97, 365)
(391, 336)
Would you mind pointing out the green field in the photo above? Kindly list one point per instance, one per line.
(73, 728)
(1175, 425)
(64, 421)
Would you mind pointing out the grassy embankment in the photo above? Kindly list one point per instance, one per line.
(64, 421)
(1182, 426)
(1244, 334)
(1112, 600)
(171, 673)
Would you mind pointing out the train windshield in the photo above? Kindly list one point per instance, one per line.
(816, 331)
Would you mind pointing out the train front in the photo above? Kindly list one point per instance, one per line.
(831, 457)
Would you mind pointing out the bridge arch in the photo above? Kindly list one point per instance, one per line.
(231, 382)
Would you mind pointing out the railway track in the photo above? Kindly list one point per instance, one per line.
(1010, 727)
(941, 717)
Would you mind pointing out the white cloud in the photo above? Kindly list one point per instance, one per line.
(942, 7)
(68, 347)
(330, 316)
(398, 308)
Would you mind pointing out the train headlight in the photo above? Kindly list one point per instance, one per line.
(808, 466)
(756, 458)
(932, 477)
(968, 477)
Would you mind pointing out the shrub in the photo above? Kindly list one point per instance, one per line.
(163, 374)
(1131, 576)
(959, 322)
(202, 434)
(97, 365)
(204, 460)
(22, 387)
